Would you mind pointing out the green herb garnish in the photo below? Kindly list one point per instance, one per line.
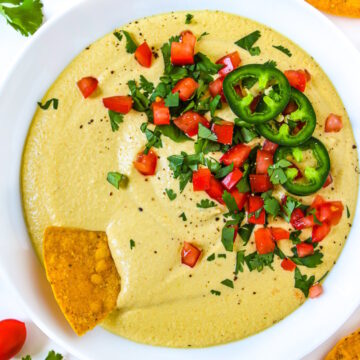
(211, 257)
(248, 41)
(130, 43)
(118, 35)
(117, 180)
(172, 100)
(183, 216)
(170, 193)
(245, 232)
(215, 292)
(188, 18)
(205, 133)
(53, 101)
(132, 244)
(277, 173)
(240, 260)
(205, 204)
(227, 238)
(227, 282)
(283, 49)
(115, 120)
(302, 282)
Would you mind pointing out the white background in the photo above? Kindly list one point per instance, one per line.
(37, 343)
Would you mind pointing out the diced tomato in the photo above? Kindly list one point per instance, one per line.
(290, 108)
(189, 122)
(328, 181)
(304, 222)
(224, 131)
(186, 88)
(260, 183)
(182, 54)
(237, 155)
(288, 265)
(304, 249)
(319, 232)
(331, 212)
(161, 113)
(120, 104)
(240, 198)
(12, 338)
(263, 160)
(216, 88)
(333, 123)
(296, 215)
(190, 254)
(270, 146)
(315, 291)
(256, 203)
(264, 241)
(232, 179)
(236, 228)
(216, 190)
(296, 78)
(201, 179)
(279, 233)
(187, 37)
(317, 202)
(143, 55)
(230, 62)
(146, 163)
(87, 85)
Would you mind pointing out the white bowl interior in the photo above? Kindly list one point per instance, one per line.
(50, 50)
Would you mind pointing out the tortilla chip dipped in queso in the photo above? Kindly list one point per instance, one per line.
(218, 159)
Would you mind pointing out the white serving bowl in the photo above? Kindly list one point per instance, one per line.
(46, 55)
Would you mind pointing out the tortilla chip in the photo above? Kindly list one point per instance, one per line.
(82, 275)
(347, 348)
(350, 8)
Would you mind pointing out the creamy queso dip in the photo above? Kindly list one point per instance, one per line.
(69, 152)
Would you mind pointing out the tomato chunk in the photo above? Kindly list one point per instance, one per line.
(256, 203)
(296, 78)
(224, 131)
(12, 338)
(264, 241)
(260, 183)
(331, 212)
(161, 113)
(216, 88)
(263, 160)
(201, 179)
(187, 37)
(146, 163)
(186, 88)
(315, 291)
(143, 55)
(329, 180)
(190, 254)
(215, 190)
(232, 179)
(87, 85)
(304, 222)
(279, 233)
(120, 104)
(319, 232)
(237, 155)
(304, 249)
(317, 202)
(288, 265)
(181, 54)
(296, 215)
(240, 198)
(230, 62)
(189, 122)
(270, 146)
(333, 123)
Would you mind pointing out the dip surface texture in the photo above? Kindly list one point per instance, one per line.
(69, 152)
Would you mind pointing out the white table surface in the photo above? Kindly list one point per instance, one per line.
(38, 344)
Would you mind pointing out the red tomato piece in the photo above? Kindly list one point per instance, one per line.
(270, 146)
(187, 37)
(119, 104)
(189, 122)
(146, 163)
(279, 233)
(224, 131)
(186, 88)
(296, 78)
(264, 241)
(256, 203)
(181, 54)
(216, 88)
(12, 338)
(216, 190)
(201, 179)
(331, 211)
(328, 181)
(315, 291)
(260, 183)
(237, 155)
(319, 232)
(143, 55)
(288, 265)
(263, 160)
(317, 202)
(304, 222)
(190, 254)
(87, 85)
(304, 249)
(296, 215)
(230, 62)
(232, 179)
(161, 113)
(240, 198)
(333, 123)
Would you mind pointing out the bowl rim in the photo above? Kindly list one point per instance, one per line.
(343, 299)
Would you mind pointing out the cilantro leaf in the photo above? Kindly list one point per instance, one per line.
(203, 63)
(276, 172)
(270, 63)
(116, 179)
(146, 85)
(215, 292)
(255, 261)
(141, 102)
(170, 193)
(347, 212)
(227, 282)
(172, 100)
(53, 101)
(27, 357)
(294, 237)
(205, 204)
(183, 216)
(222, 256)
(214, 104)
(53, 356)
(211, 257)
(223, 171)
(118, 35)
(310, 261)
(245, 232)
(248, 41)
(132, 244)
(240, 260)
(115, 120)
(173, 132)
(202, 35)
(288, 208)
(131, 45)
(302, 282)
(188, 18)
(271, 205)
(227, 238)
(230, 202)
(153, 137)
(283, 49)
(205, 133)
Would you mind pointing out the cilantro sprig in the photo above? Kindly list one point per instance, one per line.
(248, 41)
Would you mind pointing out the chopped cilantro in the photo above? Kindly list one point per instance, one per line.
(188, 18)
(214, 104)
(223, 171)
(270, 63)
(276, 172)
(53, 101)
(211, 257)
(228, 283)
(118, 35)
(130, 43)
(230, 202)
(166, 51)
(203, 63)
(53, 356)
(172, 100)
(183, 216)
(170, 193)
(205, 204)
(248, 41)
(153, 137)
(283, 49)
(146, 85)
(256, 213)
(222, 256)
(289, 207)
(310, 261)
(294, 237)
(116, 179)
(173, 132)
(205, 133)
(255, 261)
(132, 244)
(115, 120)
(302, 282)
(316, 220)
(271, 205)
(202, 35)
(141, 102)
(245, 232)
(347, 212)
(227, 238)
(240, 260)
(215, 292)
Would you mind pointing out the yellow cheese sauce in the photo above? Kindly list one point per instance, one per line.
(69, 152)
